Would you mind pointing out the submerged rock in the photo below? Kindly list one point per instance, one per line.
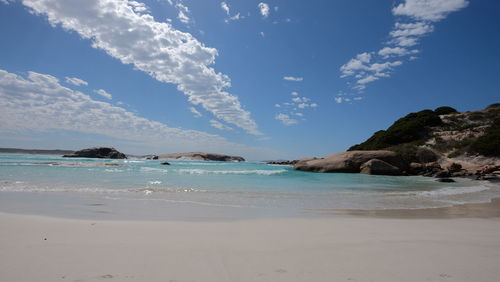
(283, 162)
(201, 156)
(349, 161)
(165, 163)
(446, 180)
(97, 152)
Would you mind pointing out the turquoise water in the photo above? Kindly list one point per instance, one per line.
(35, 182)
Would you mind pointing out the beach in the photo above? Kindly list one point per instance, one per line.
(329, 248)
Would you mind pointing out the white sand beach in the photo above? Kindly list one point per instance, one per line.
(333, 248)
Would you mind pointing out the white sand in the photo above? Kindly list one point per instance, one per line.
(321, 249)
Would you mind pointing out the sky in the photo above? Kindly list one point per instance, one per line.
(280, 79)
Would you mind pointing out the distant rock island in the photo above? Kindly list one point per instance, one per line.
(201, 156)
(441, 143)
(97, 152)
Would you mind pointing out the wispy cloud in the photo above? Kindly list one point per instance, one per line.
(229, 18)
(292, 78)
(414, 19)
(103, 93)
(156, 48)
(39, 103)
(183, 12)
(195, 112)
(285, 119)
(225, 7)
(76, 81)
(219, 125)
(288, 109)
(264, 9)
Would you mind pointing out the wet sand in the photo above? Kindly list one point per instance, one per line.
(480, 210)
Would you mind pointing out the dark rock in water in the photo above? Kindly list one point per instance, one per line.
(448, 180)
(283, 162)
(378, 167)
(97, 152)
(152, 157)
(200, 156)
(165, 163)
(349, 161)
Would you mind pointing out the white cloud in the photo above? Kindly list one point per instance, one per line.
(195, 112)
(302, 105)
(219, 125)
(76, 81)
(225, 7)
(229, 18)
(264, 9)
(313, 105)
(262, 34)
(167, 54)
(301, 99)
(103, 93)
(367, 79)
(294, 93)
(387, 52)
(285, 119)
(277, 105)
(429, 10)
(292, 78)
(358, 63)
(183, 14)
(39, 103)
(339, 100)
(298, 114)
(368, 67)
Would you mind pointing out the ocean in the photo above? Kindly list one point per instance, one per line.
(200, 190)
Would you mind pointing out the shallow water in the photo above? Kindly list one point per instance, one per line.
(198, 189)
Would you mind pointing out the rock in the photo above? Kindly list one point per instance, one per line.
(97, 152)
(458, 174)
(200, 156)
(454, 167)
(424, 155)
(165, 163)
(448, 180)
(378, 167)
(416, 168)
(442, 174)
(154, 157)
(349, 162)
(283, 162)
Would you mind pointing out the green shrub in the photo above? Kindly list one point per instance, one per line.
(413, 127)
(489, 143)
(445, 110)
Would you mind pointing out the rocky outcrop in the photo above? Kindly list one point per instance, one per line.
(97, 152)
(349, 162)
(153, 157)
(378, 167)
(200, 156)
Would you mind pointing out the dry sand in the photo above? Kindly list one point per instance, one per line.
(333, 248)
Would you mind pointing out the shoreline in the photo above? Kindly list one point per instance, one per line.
(470, 210)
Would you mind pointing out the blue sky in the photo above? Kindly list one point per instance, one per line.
(262, 79)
